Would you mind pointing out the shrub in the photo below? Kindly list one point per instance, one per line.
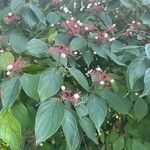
(75, 74)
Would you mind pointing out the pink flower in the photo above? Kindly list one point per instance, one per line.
(67, 94)
(133, 28)
(1, 37)
(100, 76)
(102, 37)
(75, 27)
(61, 49)
(95, 6)
(56, 2)
(11, 19)
(16, 66)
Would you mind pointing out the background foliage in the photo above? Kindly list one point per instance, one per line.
(50, 97)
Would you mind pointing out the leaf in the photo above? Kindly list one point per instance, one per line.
(137, 69)
(29, 84)
(49, 83)
(70, 130)
(37, 48)
(106, 19)
(5, 59)
(97, 109)
(10, 130)
(147, 50)
(145, 2)
(127, 3)
(147, 83)
(146, 17)
(140, 109)
(116, 46)
(78, 43)
(4, 12)
(80, 78)
(53, 17)
(88, 57)
(52, 37)
(81, 110)
(10, 91)
(137, 145)
(20, 112)
(18, 42)
(99, 49)
(16, 3)
(118, 144)
(88, 128)
(39, 14)
(116, 59)
(49, 118)
(118, 103)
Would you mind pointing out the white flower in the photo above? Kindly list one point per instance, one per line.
(10, 14)
(63, 55)
(105, 35)
(89, 5)
(76, 96)
(72, 18)
(63, 88)
(96, 37)
(67, 21)
(98, 69)
(112, 80)
(78, 22)
(76, 25)
(8, 73)
(86, 28)
(95, 4)
(133, 22)
(1, 51)
(75, 52)
(114, 25)
(9, 67)
(41, 144)
(102, 82)
(65, 9)
(95, 53)
(136, 94)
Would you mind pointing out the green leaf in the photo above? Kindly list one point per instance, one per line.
(10, 130)
(106, 19)
(37, 48)
(53, 17)
(88, 57)
(80, 78)
(140, 109)
(21, 114)
(18, 42)
(49, 118)
(97, 109)
(99, 49)
(147, 83)
(16, 3)
(29, 84)
(147, 50)
(88, 128)
(116, 46)
(10, 91)
(118, 103)
(70, 130)
(5, 59)
(118, 144)
(49, 83)
(137, 69)
(78, 43)
(146, 17)
(137, 145)
(39, 14)
(28, 16)
(81, 110)
(52, 37)
(4, 12)
(146, 2)
(127, 3)
(116, 59)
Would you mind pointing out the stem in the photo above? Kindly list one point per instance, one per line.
(86, 148)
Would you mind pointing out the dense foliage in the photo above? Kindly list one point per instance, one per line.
(75, 74)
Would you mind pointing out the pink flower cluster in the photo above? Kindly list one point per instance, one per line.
(75, 27)
(67, 94)
(100, 76)
(104, 37)
(61, 49)
(16, 66)
(1, 37)
(133, 28)
(95, 6)
(56, 2)
(11, 19)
